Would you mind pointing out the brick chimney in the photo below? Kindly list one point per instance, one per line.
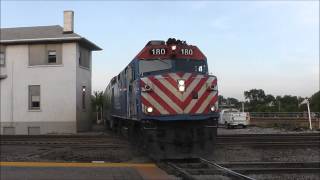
(68, 17)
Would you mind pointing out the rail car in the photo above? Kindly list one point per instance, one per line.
(166, 101)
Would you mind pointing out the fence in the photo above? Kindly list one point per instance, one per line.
(293, 119)
(284, 114)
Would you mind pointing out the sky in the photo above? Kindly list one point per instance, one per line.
(269, 45)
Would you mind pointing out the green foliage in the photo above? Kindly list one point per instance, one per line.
(255, 95)
(97, 100)
(258, 101)
(315, 102)
(229, 102)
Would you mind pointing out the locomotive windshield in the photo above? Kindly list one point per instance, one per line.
(159, 66)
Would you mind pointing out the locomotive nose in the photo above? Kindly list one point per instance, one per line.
(179, 93)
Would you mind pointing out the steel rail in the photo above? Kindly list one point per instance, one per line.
(229, 171)
(273, 167)
(203, 166)
(184, 174)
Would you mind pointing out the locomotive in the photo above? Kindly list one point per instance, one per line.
(165, 101)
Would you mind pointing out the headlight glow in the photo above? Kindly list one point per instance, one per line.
(181, 88)
(213, 108)
(149, 109)
(181, 82)
(173, 48)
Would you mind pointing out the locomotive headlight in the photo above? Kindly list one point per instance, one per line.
(181, 85)
(181, 82)
(149, 109)
(181, 88)
(213, 109)
(173, 48)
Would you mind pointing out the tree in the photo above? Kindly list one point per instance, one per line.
(97, 100)
(228, 102)
(315, 102)
(289, 103)
(270, 99)
(256, 100)
(255, 95)
(221, 100)
(232, 101)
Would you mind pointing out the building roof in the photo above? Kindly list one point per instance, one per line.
(42, 34)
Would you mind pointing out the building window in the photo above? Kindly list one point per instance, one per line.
(83, 97)
(34, 97)
(45, 54)
(80, 58)
(2, 59)
(52, 56)
(84, 58)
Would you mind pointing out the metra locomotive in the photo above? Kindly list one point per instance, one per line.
(166, 100)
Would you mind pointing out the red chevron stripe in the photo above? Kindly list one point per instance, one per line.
(211, 103)
(162, 103)
(142, 84)
(190, 80)
(196, 89)
(172, 82)
(167, 91)
(148, 104)
(180, 74)
(199, 102)
(214, 82)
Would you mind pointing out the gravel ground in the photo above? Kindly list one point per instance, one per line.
(262, 153)
(259, 130)
(69, 154)
(233, 153)
(39, 153)
(297, 176)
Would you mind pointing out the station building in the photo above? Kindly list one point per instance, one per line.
(45, 79)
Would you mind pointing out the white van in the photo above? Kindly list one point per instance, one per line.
(233, 117)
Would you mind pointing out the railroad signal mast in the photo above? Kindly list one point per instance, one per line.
(306, 101)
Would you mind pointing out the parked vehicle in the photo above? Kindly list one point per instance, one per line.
(232, 117)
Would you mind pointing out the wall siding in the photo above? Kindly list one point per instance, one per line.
(58, 112)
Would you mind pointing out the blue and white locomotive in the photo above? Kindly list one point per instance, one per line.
(165, 100)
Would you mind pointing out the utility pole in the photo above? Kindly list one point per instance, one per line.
(306, 101)
(308, 105)
(242, 103)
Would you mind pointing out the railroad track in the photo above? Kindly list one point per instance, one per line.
(273, 167)
(63, 141)
(106, 140)
(270, 139)
(194, 169)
